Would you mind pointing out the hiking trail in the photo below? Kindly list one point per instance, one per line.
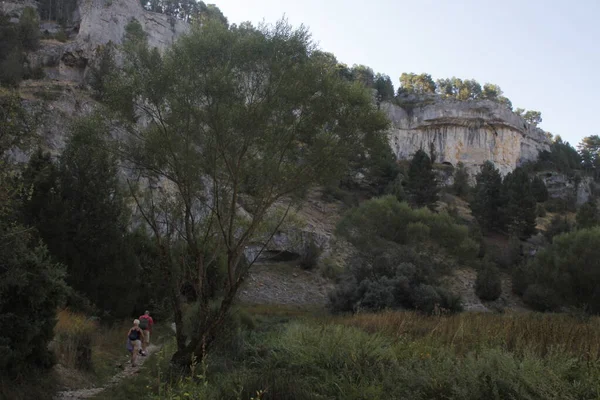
(127, 372)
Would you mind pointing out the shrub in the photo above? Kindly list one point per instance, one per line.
(61, 36)
(540, 210)
(309, 257)
(330, 268)
(541, 298)
(558, 224)
(488, 285)
(333, 193)
(73, 340)
(567, 272)
(432, 300)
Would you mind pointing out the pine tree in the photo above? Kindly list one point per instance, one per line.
(487, 202)
(422, 185)
(520, 211)
(538, 187)
(461, 181)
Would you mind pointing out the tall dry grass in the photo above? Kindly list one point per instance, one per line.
(74, 339)
(515, 332)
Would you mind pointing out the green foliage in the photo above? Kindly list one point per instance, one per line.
(562, 157)
(186, 10)
(468, 89)
(541, 298)
(589, 150)
(15, 40)
(567, 272)
(100, 73)
(400, 249)
(540, 211)
(239, 112)
(396, 188)
(401, 356)
(520, 209)
(413, 83)
(588, 215)
(29, 29)
(531, 117)
(487, 201)
(31, 283)
(488, 285)
(363, 74)
(558, 224)
(332, 193)
(461, 187)
(539, 190)
(385, 88)
(78, 209)
(422, 184)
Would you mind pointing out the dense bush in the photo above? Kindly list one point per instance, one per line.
(566, 273)
(558, 224)
(488, 285)
(402, 254)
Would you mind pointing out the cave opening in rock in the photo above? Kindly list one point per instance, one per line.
(279, 256)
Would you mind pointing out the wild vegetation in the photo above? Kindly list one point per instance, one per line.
(219, 138)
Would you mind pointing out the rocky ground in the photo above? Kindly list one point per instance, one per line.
(284, 284)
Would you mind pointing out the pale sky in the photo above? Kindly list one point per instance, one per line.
(544, 54)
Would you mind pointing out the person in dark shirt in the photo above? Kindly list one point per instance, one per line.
(134, 340)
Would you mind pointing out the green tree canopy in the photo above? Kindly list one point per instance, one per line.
(588, 215)
(413, 83)
(567, 272)
(422, 184)
(461, 180)
(520, 209)
(539, 189)
(239, 112)
(487, 201)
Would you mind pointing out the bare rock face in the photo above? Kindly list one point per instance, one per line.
(470, 132)
(95, 24)
(104, 21)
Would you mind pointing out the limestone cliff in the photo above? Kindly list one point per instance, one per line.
(468, 131)
(94, 24)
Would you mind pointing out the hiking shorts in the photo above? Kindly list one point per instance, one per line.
(147, 336)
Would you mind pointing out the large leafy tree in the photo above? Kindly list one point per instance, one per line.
(230, 114)
(422, 184)
(487, 201)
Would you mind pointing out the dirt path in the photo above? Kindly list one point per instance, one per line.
(128, 371)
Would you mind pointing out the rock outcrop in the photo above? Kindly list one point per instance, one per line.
(468, 131)
(94, 24)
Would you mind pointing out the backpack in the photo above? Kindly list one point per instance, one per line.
(134, 335)
(143, 324)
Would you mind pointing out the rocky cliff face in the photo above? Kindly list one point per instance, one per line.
(468, 131)
(95, 23)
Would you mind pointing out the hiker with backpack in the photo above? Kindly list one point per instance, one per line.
(146, 323)
(134, 340)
